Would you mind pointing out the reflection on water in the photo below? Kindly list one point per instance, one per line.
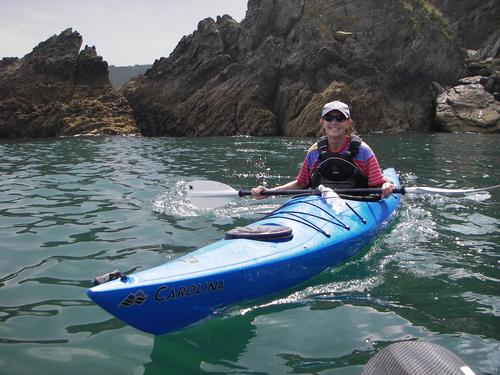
(74, 208)
(313, 338)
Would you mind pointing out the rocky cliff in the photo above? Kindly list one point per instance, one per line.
(396, 62)
(271, 73)
(57, 90)
(475, 22)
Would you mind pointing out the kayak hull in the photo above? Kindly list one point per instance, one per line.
(194, 287)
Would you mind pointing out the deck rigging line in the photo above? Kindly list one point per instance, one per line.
(298, 216)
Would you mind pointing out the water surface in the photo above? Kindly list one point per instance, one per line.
(74, 208)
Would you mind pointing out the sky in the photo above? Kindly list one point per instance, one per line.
(124, 32)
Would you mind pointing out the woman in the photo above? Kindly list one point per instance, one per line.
(339, 160)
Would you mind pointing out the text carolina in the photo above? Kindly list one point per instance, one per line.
(166, 293)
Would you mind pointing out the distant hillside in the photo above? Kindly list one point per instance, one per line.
(118, 75)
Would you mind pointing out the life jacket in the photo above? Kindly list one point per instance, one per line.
(338, 170)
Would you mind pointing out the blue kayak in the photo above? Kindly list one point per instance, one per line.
(193, 287)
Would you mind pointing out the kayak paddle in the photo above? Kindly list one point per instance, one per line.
(213, 194)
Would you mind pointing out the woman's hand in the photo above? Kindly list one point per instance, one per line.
(257, 192)
(387, 188)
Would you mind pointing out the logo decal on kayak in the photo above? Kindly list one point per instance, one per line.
(166, 293)
(137, 298)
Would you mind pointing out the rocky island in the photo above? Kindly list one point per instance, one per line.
(58, 90)
(406, 65)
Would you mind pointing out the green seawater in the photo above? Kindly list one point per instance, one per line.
(75, 208)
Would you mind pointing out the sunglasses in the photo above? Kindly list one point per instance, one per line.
(329, 117)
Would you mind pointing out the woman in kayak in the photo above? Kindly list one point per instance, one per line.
(338, 160)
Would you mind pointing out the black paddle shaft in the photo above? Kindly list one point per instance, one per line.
(357, 191)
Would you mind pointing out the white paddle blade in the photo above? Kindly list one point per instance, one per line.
(431, 190)
(210, 194)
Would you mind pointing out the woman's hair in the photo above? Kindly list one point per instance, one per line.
(350, 129)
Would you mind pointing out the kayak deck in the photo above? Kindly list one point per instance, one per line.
(188, 289)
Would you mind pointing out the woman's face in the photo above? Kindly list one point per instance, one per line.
(335, 124)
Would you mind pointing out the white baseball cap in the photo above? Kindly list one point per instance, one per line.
(336, 106)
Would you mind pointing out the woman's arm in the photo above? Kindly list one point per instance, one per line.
(292, 185)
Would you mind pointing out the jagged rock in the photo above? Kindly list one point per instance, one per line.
(438, 89)
(91, 73)
(271, 73)
(491, 84)
(56, 90)
(469, 81)
(468, 108)
(488, 67)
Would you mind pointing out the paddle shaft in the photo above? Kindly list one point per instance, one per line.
(358, 191)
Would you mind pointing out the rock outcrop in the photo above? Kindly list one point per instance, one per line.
(56, 91)
(271, 73)
(472, 104)
(468, 108)
(396, 62)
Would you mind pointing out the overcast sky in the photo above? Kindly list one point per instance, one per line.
(124, 32)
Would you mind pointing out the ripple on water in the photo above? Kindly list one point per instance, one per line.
(176, 203)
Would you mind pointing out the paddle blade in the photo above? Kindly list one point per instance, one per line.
(210, 194)
(431, 190)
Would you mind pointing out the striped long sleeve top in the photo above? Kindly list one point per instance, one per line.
(365, 160)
